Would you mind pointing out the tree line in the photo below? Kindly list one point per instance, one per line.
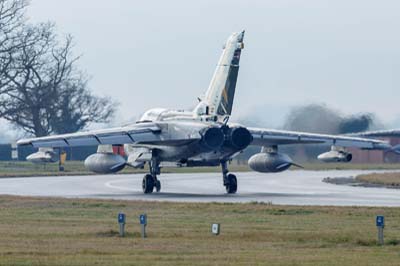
(42, 90)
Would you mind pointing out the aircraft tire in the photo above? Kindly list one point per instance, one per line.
(231, 187)
(158, 186)
(148, 184)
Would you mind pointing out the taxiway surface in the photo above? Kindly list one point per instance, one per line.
(291, 187)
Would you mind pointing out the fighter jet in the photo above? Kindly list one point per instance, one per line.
(201, 137)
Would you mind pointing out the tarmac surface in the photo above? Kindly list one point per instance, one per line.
(292, 187)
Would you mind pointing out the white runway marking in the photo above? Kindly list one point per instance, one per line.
(110, 184)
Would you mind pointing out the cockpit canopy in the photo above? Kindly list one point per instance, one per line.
(161, 114)
(153, 115)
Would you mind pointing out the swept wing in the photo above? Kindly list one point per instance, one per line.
(141, 133)
(379, 133)
(270, 137)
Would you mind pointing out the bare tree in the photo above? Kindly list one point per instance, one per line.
(11, 23)
(12, 18)
(41, 89)
(77, 107)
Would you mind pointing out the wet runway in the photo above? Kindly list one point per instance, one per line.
(291, 187)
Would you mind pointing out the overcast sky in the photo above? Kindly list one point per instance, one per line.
(150, 54)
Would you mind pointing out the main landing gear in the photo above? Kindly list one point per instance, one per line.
(150, 181)
(230, 181)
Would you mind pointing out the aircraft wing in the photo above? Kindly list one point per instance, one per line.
(269, 137)
(378, 134)
(141, 133)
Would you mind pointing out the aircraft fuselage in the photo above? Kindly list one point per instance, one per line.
(208, 141)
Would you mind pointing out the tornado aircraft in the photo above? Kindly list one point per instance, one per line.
(201, 137)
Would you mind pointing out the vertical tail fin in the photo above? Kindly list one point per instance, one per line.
(221, 91)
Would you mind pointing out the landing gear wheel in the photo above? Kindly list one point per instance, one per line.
(158, 186)
(231, 186)
(148, 184)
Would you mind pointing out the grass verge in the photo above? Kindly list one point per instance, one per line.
(44, 231)
(385, 179)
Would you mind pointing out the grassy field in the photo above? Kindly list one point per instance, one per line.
(85, 232)
(18, 169)
(387, 179)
